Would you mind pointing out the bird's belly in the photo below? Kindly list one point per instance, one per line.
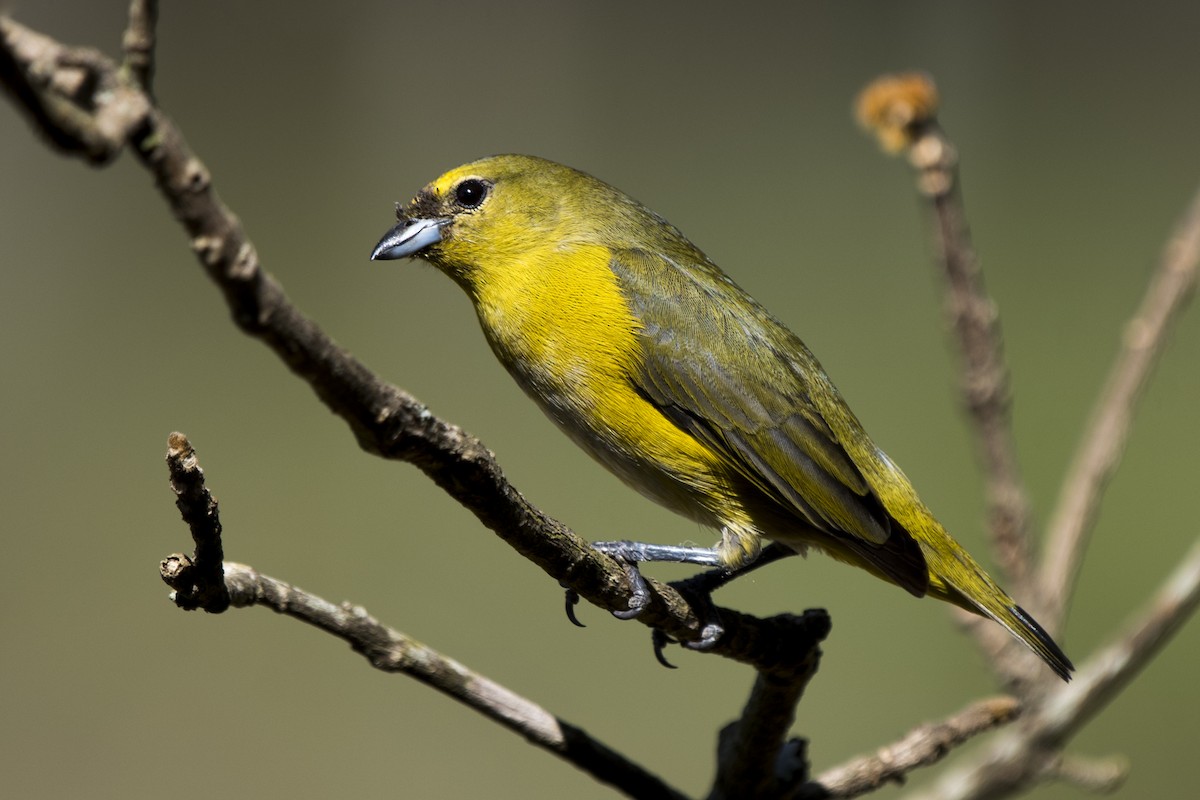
(626, 434)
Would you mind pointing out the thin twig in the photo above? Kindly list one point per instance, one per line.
(1103, 442)
(198, 581)
(920, 747)
(392, 651)
(138, 43)
(215, 588)
(902, 111)
(1108, 671)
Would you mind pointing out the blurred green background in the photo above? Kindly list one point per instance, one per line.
(1078, 128)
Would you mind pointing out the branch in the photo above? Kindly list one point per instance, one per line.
(902, 111)
(215, 586)
(385, 420)
(754, 757)
(922, 746)
(1029, 753)
(85, 104)
(73, 96)
(139, 41)
(1104, 441)
(198, 582)
(1110, 670)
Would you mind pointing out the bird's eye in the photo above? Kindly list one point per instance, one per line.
(470, 193)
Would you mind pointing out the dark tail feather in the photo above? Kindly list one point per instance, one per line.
(1040, 642)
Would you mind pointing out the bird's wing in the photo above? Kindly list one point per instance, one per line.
(744, 385)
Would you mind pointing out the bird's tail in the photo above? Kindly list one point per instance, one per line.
(953, 575)
(968, 586)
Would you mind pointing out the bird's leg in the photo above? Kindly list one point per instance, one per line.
(639, 552)
(630, 554)
(699, 587)
(707, 582)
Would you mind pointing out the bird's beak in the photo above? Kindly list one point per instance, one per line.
(409, 237)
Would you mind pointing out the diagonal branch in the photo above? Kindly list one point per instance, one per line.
(1104, 441)
(385, 420)
(391, 651)
(217, 586)
(924, 745)
(1111, 669)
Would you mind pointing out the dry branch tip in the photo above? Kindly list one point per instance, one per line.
(198, 581)
(896, 107)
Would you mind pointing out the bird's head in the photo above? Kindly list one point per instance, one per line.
(493, 213)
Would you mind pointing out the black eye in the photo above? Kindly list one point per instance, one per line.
(470, 193)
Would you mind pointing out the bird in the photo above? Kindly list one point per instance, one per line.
(657, 364)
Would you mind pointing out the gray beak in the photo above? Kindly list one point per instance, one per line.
(408, 238)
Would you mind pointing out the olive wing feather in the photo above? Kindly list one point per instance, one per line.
(744, 385)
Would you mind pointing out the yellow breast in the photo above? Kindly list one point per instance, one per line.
(558, 321)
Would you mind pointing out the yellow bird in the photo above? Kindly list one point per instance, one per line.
(669, 374)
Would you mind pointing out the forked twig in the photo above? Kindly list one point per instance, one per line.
(217, 586)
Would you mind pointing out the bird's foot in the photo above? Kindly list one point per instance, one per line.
(629, 555)
(698, 588)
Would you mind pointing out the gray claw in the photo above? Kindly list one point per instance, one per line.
(709, 636)
(572, 600)
(639, 595)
